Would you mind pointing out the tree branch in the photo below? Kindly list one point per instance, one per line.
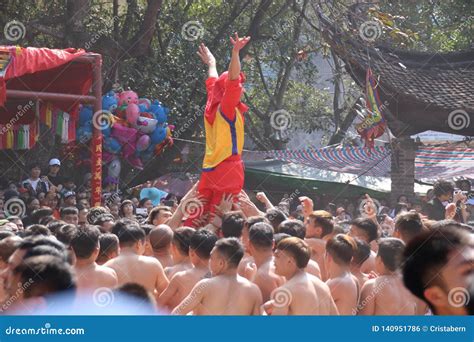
(265, 86)
(146, 31)
(46, 30)
(340, 133)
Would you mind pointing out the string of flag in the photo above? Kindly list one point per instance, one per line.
(430, 162)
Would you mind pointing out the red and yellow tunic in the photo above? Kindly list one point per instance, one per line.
(222, 167)
(224, 138)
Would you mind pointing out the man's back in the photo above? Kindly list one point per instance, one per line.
(309, 296)
(172, 270)
(181, 285)
(267, 280)
(390, 297)
(313, 268)
(369, 264)
(143, 270)
(166, 260)
(95, 276)
(318, 250)
(344, 290)
(226, 295)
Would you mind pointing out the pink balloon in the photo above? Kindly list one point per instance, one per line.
(125, 135)
(127, 97)
(143, 143)
(132, 113)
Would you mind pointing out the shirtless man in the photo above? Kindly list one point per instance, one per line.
(247, 266)
(226, 293)
(160, 241)
(408, 225)
(261, 249)
(131, 266)
(319, 225)
(296, 228)
(344, 287)
(360, 255)
(109, 248)
(180, 251)
(366, 230)
(200, 246)
(90, 275)
(386, 294)
(447, 251)
(302, 294)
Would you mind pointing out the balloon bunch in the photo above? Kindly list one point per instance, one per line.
(134, 129)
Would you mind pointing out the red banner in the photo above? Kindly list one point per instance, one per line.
(96, 154)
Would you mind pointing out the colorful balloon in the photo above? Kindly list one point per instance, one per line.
(143, 142)
(114, 168)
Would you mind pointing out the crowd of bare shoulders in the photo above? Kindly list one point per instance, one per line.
(242, 260)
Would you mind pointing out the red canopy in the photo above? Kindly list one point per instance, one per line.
(43, 70)
(53, 76)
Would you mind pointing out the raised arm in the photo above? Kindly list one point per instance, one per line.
(208, 58)
(178, 214)
(166, 296)
(233, 86)
(234, 67)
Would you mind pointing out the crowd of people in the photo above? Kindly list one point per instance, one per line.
(222, 251)
(248, 258)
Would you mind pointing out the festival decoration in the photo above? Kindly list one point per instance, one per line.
(134, 129)
(374, 124)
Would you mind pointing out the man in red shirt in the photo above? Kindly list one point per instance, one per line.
(222, 171)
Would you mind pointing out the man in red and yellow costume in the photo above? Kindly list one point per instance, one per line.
(223, 170)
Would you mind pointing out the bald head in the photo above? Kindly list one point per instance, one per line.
(161, 237)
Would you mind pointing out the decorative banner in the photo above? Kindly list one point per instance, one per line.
(430, 162)
(96, 153)
(373, 125)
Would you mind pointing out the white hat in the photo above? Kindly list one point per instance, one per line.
(54, 161)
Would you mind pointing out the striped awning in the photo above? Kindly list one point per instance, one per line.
(430, 162)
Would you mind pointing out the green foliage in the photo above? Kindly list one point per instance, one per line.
(442, 26)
